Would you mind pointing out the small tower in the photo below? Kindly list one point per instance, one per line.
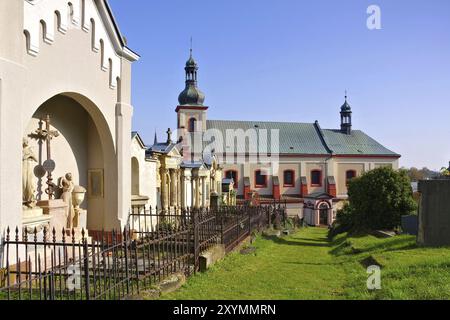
(346, 117)
(191, 95)
(191, 113)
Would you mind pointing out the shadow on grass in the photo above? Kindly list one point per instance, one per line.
(392, 244)
(322, 240)
(283, 241)
(335, 263)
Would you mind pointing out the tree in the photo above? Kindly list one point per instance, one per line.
(380, 197)
(415, 174)
(376, 200)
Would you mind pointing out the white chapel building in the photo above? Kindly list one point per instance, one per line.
(65, 74)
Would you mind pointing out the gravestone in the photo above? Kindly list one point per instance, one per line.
(434, 213)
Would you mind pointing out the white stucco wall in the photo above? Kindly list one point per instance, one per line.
(36, 66)
(147, 172)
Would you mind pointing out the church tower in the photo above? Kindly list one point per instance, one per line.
(191, 113)
(346, 117)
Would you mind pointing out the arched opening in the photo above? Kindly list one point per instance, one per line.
(43, 31)
(93, 44)
(82, 147)
(324, 210)
(192, 125)
(102, 56)
(134, 177)
(27, 40)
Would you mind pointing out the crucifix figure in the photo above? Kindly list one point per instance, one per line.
(46, 135)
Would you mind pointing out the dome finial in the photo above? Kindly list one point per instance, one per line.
(191, 95)
(346, 117)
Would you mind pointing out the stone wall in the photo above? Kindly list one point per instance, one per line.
(434, 213)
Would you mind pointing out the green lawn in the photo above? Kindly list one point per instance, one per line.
(306, 265)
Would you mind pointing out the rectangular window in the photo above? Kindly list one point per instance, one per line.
(316, 178)
(260, 179)
(289, 178)
(349, 175)
(232, 174)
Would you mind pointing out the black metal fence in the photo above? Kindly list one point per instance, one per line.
(113, 265)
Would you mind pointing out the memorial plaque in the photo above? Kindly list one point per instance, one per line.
(49, 165)
(39, 171)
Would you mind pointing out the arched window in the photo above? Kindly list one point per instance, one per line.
(192, 125)
(232, 174)
(134, 176)
(316, 178)
(260, 179)
(349, 175)
(289, 178)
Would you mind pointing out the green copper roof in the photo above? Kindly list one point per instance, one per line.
(306, 138)
(295, 138)
(354, 144)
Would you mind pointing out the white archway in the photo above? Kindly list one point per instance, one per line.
(83, 148)
(135, 186)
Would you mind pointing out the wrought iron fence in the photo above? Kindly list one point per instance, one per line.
(113, 265)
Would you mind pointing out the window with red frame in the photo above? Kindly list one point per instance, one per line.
(260, 179)
(289, 178)
(192, 124)
(349, 175)
(232, 174)
(316, 178)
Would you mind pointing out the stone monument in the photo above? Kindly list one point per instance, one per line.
(66, 185)
(32, 216)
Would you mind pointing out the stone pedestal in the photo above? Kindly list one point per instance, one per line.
(56, 209)
(82, 219)
(34, 218)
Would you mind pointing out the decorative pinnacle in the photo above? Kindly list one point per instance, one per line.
(169, 136)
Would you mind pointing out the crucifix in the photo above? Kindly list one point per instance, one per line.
(46, 135)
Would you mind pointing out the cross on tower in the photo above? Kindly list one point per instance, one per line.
(41, 135)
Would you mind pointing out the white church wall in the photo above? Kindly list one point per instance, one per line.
(12, 76)
(149, 183)
(43, 19)
(147, 172)
(67, 65)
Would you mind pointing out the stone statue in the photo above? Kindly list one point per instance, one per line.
(67, 186)
(28, 163)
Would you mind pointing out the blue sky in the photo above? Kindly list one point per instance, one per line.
(291, 60)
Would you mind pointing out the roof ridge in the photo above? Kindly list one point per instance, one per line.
(322, 137)
(260, 121)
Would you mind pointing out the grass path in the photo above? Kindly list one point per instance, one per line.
(299, 266)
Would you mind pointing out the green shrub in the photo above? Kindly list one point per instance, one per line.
(377, 200)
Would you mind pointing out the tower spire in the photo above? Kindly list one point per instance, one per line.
(346, 116)
(191, 95)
